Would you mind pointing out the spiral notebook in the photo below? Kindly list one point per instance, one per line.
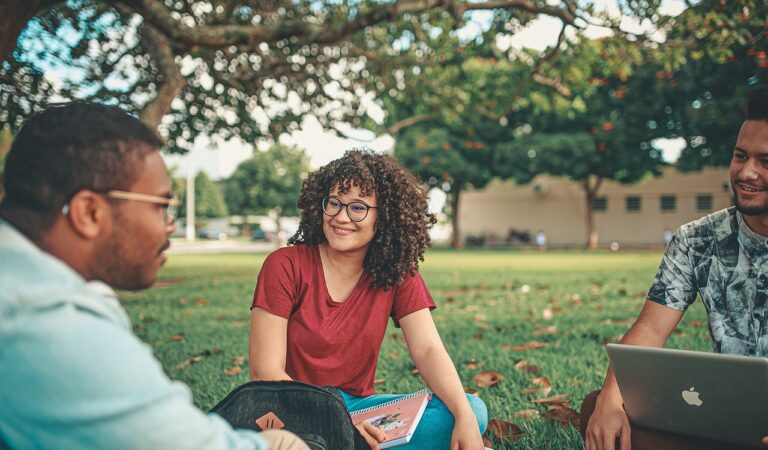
(398, 418)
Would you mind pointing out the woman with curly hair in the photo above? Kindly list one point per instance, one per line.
(321, 306)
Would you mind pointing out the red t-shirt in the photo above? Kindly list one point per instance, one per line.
(330, 343)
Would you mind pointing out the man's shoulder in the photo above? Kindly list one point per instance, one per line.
(35, 283)
(712, 226)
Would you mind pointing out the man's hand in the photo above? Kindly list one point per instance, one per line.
(371, 434)
(608, 422)
(765, 441)
(466, 435)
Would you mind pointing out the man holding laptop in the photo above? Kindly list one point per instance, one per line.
(724, 258)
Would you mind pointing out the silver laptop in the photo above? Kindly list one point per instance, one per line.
(711, 395)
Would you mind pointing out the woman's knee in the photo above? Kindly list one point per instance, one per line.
(480, 410)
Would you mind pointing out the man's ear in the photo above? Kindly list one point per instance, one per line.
(88, 214)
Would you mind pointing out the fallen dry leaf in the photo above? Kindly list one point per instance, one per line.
(565, 416)
(544, 387)
(483, 325)
(237, 361)
(481, 317)
(523, 365)
(238, 323)
(470, 391)
(378, 381)
(187, 314)
(415, 372)
(487, 378)
(202, 302)
(545, 331)
(478, 336)
(394, 356)
(559, 400)
(186, 362)
(501, 429)
(471, 308)
(547, 314)
(525, 347)
(474, 364)
(557, 309)
(233, 370)
(696, 323)
(526, 413)
(177, 337)
(487, 442)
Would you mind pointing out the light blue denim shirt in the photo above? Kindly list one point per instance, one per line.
(74, 376)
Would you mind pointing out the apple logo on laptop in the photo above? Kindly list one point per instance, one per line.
(692, 397)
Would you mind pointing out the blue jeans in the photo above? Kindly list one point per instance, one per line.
(434, 430)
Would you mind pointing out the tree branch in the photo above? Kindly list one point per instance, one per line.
(14, 15)
(525, 5)
(159, 47)
(413, 120)
(157, 14)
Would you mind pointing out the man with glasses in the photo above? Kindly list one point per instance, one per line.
(88, 207)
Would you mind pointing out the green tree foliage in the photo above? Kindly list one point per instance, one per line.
(726, 55)
(209, 199)
(447, 160)
(504, 107)
(270, 181)
(246, 68)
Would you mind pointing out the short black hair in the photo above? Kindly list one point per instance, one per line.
(757, 105)
(70, 147)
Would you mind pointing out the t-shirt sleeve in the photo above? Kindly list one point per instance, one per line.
(276, 290)
(410, 296)
(674, 285)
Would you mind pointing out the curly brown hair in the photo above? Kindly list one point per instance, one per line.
(404, 220)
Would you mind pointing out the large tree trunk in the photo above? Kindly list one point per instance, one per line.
(590, 193)
(14, 15)
(455, 234)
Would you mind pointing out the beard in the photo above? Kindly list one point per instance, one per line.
(750, 210)
(121, 264)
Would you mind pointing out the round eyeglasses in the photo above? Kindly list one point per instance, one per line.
(356, 211)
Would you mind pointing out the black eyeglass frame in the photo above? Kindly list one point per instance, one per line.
(342, 206)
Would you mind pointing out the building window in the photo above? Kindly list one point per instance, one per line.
(704, 202)
(668, 203)
(600, 204)
(633, 203)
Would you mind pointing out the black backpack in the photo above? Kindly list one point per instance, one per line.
(316, 414)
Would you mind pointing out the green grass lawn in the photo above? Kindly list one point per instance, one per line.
(488, 302)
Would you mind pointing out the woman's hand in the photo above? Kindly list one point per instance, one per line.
(466, 435)
(371, 434)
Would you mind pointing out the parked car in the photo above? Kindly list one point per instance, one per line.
(212, 233)
(258, 234)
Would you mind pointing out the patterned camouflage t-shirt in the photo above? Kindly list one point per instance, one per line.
(723, 260)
